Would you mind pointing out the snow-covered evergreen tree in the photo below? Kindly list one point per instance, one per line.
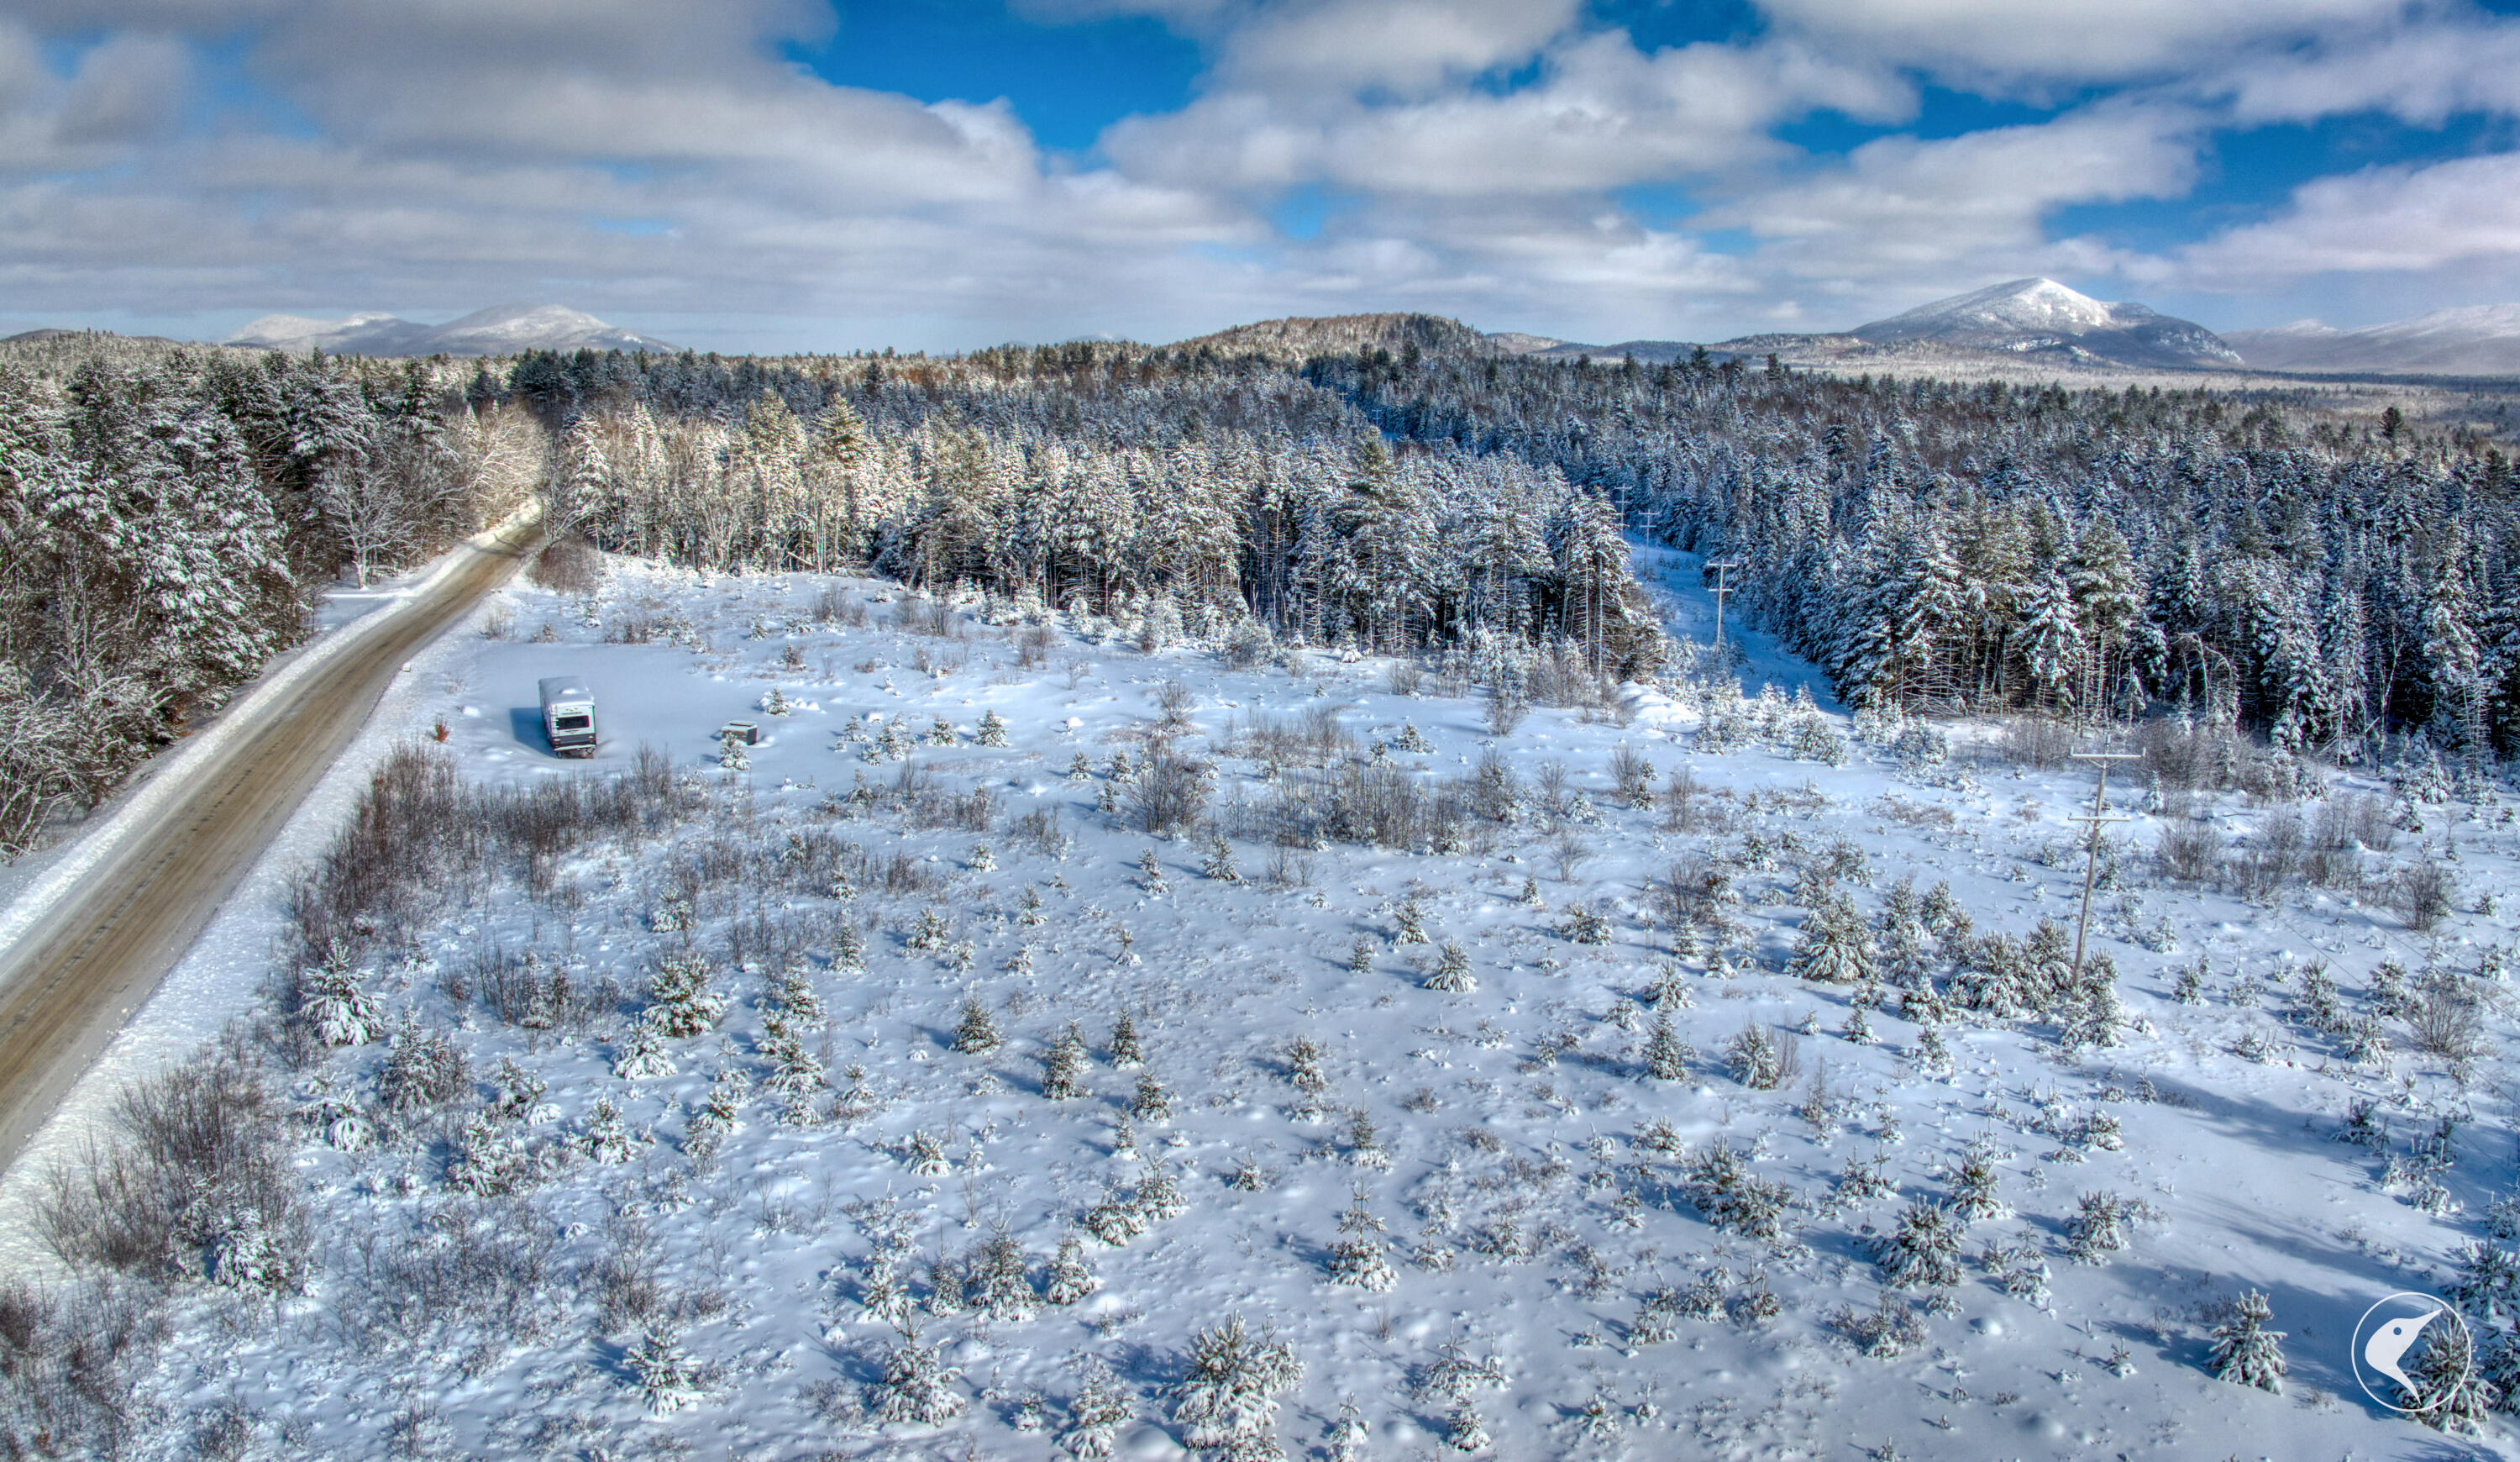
(2244, 1351)
(1229, 1400)
(918, 1386)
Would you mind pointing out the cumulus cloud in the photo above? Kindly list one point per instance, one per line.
(1601, 115)
(2421, 75)
(1947, 210)
(2020, 40)
(657, 158)
(2383, 218)
(128, 89)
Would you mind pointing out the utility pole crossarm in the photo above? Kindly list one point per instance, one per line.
(1723, 587)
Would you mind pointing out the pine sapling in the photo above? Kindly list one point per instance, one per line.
(667, 1376)
(996, 1283)
(680, 999)
(2098, 1226)
(1100, 1407)
(1359, 1256)
(1452, 973)
(1924, 1251)
(1229, 1400)
(1062, 1068)
(640, 1054)
(1219, 863)
(1364, 1145)
(605, 1138)
(1408, 921)
(1973, 1182)
(917, 1385)
(1150, 1103)
(926, 1155)
(1158, 1196)
(2245, 1353)
(1666, 1055)
(1069, 1280)
(974, 1034)
(1123, 1048)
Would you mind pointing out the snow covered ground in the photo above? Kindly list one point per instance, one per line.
(687, 1283)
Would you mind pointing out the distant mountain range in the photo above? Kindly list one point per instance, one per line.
(502, 330)
(2481, 340)
(2035, 318)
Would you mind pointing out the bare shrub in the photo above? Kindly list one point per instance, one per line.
(1033, 645)
(1505, 708)
(192, 1183)
(1691, 891)
(2421, 892)
(526, 991)
(2260, 870)
(417, 828)
(1569, 854)
(1406, 678)
(2448, 1021)
(1689, 806)
(1175, 701)
(917, 614)
(71, 1360)
(2190, 850)
(833, 606)
(473, 1269)
(1314, 739)
(623, 1278)
(569, 566)
(1633, 775)
(2035, 741)
(1169, 791)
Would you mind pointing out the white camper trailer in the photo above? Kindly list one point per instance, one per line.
(568, 715)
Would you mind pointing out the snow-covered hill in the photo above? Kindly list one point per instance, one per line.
(2478, 340)
(2036, 315)
(1299, 336)
(887, 1088)
(502, 330)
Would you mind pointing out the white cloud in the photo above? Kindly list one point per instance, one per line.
(2444, 215)
(1946, 210)
(470, 149)
(2420, 73)
(1406, 47)
(1996, 40)
(1602, 115)
(128, 89)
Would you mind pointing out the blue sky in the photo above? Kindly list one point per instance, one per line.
(783, 174)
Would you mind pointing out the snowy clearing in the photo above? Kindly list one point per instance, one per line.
(1475, 1069)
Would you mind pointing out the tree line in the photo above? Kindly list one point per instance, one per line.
(166, 520)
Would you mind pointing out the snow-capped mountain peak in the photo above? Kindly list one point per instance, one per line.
(2040, 305)
(501, 329)
(2031, 315)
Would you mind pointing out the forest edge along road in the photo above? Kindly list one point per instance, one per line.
(71, 978)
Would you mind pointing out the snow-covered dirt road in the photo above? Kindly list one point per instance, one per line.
(97, 947)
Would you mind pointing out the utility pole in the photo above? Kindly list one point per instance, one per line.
(1721, 588)
(2093, 822)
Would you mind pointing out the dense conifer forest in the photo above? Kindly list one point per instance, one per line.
(166, 518)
